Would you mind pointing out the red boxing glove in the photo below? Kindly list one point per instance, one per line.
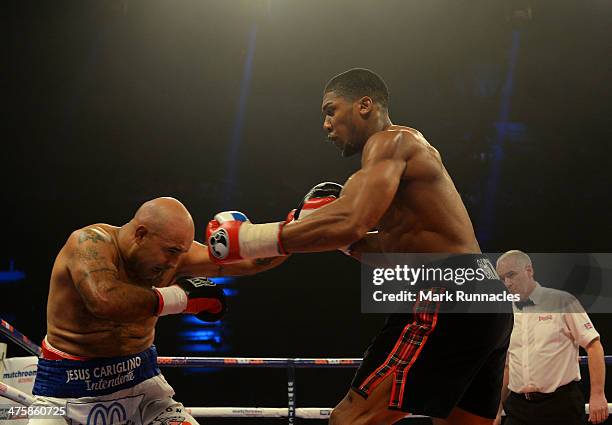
(319, 196)
(194, 295)
(232, 237)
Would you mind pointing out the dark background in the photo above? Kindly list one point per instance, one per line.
(111, 103)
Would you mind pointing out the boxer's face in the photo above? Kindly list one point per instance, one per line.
(516, 276)
(155, 255)
(342, 121)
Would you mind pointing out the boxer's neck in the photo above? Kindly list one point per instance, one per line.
(379, 122)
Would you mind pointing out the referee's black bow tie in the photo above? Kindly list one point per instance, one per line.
(521, 304)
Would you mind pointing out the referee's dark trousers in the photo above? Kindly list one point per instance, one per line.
(565, 406)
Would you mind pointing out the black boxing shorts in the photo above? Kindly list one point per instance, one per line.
(439, 361)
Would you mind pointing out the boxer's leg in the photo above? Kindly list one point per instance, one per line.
(54, 407)
(166, 412)
(377, 395)
(356, 410)
(159, 408)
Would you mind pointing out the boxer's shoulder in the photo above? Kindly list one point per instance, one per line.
(95, 233)
(92, 242)
(396, 141)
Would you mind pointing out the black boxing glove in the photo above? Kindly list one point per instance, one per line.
(193, 295)
(320, 195)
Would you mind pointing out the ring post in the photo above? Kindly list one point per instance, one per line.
(291, 392)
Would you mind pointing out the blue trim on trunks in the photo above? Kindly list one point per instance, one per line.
(95, 377)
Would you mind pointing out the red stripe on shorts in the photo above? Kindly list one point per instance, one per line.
(406, 350)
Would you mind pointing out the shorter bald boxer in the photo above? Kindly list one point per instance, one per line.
(109, 285)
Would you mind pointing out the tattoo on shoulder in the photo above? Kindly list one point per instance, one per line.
(90, 253)
(93, 235)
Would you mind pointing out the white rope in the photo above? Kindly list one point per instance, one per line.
(281, 412)
(263, 412)
(258, 412)
(15, 395)
(224, 412)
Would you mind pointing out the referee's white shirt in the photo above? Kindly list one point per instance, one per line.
(543, 352)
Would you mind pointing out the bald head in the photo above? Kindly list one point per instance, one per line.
(155, 240)
(166, 216)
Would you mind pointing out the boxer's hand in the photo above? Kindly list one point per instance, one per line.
(320, 195)
(194, 295)
(232, 237)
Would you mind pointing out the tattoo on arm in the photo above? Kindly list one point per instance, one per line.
(92, 235)
(89, 257)
(88, 274)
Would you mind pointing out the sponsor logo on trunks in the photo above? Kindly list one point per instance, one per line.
(176, 420)
(543, 318)
(172, 416)
(108, 376)
(106, 415)
(588, 325)
(123, 411)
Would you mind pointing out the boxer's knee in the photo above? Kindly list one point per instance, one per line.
(352, 410)
(341, 414)
(347, 417)
(335, 418)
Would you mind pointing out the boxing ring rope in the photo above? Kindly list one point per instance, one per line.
(290, 411)
(18, 338)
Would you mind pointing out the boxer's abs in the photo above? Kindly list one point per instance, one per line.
(121, 340)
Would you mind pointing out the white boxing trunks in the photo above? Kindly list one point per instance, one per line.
(127, 390)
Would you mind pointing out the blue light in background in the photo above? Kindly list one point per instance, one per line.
(198, 337)
(211, 335)
(222, 280)
(192, 320)
(12, 275)
(503, 129)
(238, 128)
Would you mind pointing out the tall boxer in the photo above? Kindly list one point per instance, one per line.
(404, 192)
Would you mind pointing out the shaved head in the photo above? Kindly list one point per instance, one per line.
(153, 242)
(167, 216)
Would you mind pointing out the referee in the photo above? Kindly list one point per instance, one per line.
(542, 374)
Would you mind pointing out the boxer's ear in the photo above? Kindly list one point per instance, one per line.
(365, 105)
(141, 232)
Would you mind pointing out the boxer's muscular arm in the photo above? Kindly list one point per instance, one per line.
(369, 243)
(366, 196)
(198, 263)
(92, 259)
